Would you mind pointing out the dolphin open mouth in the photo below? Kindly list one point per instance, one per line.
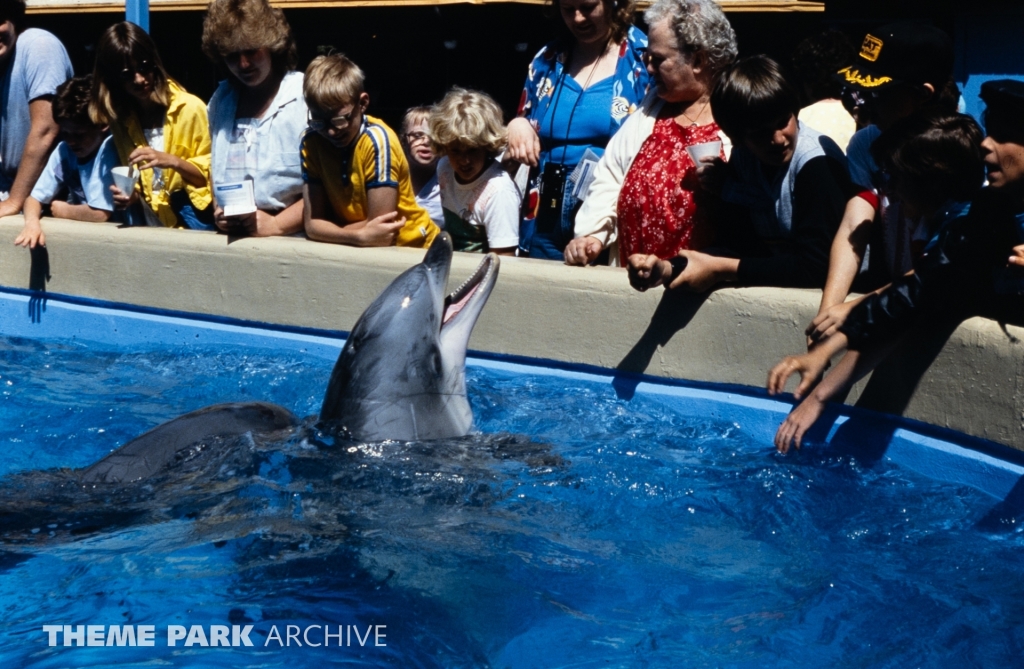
(470, 289)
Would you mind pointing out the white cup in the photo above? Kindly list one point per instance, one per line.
(125, 183)
(698, 151)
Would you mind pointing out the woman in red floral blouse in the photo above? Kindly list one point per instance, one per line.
(646, 197)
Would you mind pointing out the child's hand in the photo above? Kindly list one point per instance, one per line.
(810, 367)
(801, 419)
(828, 322)
(711, 173)
(30, 236)
(647, 271)
(123, 201)
(582, 251)
(145, 158)
(1017, 256)
(381, 231)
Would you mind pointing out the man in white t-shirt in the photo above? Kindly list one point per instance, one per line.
(30, 76)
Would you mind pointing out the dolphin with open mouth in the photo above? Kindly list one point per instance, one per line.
(400, 376)
(402, 373)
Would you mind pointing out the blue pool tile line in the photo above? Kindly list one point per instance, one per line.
(936, 452)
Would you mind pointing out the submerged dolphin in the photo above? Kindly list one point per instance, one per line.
(400, 376)
(402, 373)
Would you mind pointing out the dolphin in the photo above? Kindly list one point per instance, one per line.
(400, 376)
(402, 372)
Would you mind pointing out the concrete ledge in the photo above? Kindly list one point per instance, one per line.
(972, 383)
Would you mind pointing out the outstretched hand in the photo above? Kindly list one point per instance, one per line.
(809, 366)
(30, 237)
(793, 429)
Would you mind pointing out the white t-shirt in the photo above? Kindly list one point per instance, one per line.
(429, 198)
(491, 202)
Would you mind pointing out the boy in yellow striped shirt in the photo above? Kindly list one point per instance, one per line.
(357, 187)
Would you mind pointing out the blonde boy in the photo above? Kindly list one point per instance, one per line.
(479, 199)
(357, 188)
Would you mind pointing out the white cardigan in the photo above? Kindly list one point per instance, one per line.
(598, 216)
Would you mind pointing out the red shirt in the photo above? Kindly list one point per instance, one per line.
(661, 207)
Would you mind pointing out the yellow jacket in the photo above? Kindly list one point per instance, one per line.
(187, 136)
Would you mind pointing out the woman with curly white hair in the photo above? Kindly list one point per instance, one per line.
(645, 197)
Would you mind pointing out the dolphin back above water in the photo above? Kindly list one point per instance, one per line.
(401, 374)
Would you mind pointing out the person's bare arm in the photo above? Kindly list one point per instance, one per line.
(853, 367)
(260, 223)
(78, 212)
(380, 228)
(42, 135)
(847, 251)
(31, 234)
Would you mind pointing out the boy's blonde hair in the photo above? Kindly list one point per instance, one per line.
(469, 118)
(414, 116)
(332, 82)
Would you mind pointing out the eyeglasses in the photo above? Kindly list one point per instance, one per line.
(339, 123)
(143, 67)
(648, 58)
(416, 137)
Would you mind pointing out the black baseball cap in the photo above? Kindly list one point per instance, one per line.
(1005, 94)
(907, 53)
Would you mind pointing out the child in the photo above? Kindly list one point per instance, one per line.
(422, 162)
(78, 170)
(785, 184)
(480, 200)
(158, 127)
(935, 165)
(357, 188)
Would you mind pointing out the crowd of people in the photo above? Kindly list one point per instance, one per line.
(847, 170)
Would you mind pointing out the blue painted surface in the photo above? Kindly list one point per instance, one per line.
(137, 12)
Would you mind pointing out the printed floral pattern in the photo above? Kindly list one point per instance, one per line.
(661, 206)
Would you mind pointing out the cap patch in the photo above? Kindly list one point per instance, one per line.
(871, 49)
(853, 76)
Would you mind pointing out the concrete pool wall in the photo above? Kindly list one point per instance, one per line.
(972, 382)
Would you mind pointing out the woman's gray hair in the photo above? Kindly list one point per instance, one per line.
(699, 25)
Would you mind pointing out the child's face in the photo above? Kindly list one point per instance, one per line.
(417, 145)
(342, 125)
(468, 163)
(1004, 153)
(774, 142)
(250, 67)
(82, 138)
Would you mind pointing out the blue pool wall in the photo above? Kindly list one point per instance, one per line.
(970, 380)
(934, 452)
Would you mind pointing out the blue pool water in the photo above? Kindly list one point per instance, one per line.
(591, 523)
